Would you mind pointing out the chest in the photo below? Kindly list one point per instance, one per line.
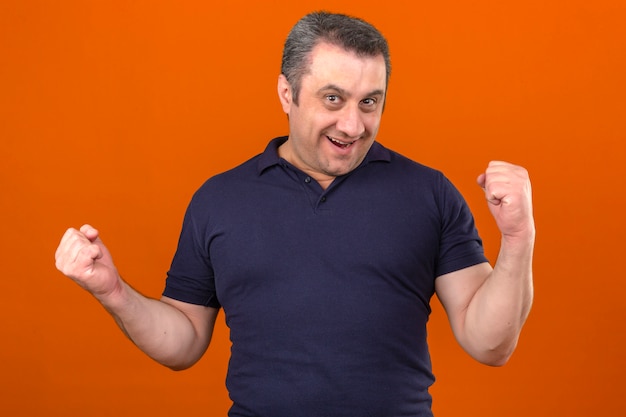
(308, 247)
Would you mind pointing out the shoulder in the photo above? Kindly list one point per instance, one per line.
(244, 186)
(396, 168)
(247, 173)
(224, 183)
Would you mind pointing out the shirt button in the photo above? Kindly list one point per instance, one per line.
(323, 199)
(307, 180)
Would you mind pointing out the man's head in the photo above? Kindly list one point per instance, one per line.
(349, 33)
(333, 90)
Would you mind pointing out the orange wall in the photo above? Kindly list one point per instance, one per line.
(114, 112)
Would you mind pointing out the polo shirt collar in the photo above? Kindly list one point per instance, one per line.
(270, 157)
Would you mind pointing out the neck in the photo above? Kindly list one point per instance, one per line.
(285, 152)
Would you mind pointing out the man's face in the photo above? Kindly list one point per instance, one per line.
(338, 115)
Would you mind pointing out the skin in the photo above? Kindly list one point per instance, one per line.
(487, 307)
(341, 98)
(173, 333)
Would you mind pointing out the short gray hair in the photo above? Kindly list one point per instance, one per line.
(348, 32)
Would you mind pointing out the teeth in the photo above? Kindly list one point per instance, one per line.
(340, 142)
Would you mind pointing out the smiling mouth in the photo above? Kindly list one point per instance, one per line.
(340, 144)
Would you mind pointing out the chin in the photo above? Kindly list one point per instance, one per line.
(339, 171)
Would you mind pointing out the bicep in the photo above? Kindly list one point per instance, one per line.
(202, 318)
(456, 289)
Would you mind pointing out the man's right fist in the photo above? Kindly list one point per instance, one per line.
(82, 256)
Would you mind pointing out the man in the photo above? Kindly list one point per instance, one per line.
(324, 252)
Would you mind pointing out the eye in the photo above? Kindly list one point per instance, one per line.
(369, 101)
(332, 98)
(369, 104)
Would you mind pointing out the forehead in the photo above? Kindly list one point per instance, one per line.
(332, 64)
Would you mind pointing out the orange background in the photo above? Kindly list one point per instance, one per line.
(114, 112)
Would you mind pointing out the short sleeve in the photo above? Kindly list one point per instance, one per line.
(460, 245)
(190, 278)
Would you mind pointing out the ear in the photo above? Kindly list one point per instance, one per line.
(284, 93)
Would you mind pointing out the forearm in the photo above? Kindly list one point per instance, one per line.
(499, 308)
(173, 333)
(158, 328)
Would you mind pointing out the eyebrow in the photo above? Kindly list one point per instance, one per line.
(343, 92)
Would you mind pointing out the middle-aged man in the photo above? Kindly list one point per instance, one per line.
(325, 250)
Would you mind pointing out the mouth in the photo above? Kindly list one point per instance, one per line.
(340, 144)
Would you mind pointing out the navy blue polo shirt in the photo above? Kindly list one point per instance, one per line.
(326, 292)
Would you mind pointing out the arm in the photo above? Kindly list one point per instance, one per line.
(488, 307)
(173, 333)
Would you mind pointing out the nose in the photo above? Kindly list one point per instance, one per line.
(350, 122)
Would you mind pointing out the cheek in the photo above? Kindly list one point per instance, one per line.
(317, 125)
(372, 122)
